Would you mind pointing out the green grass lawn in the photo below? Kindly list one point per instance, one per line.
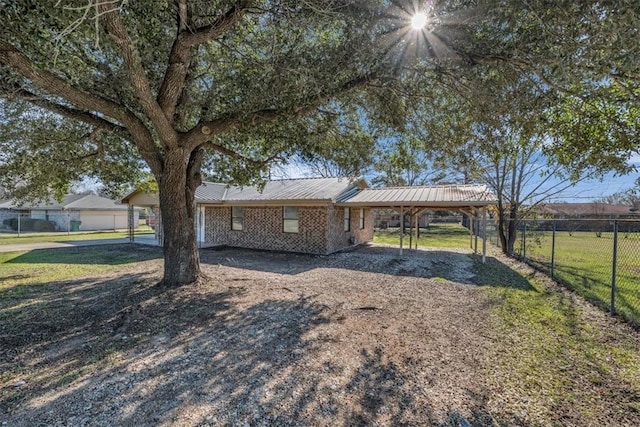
(562, 359)
(435, 236)
(584, 262)
(12, 238)
(45, 266)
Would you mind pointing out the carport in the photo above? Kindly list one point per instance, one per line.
(471, 199)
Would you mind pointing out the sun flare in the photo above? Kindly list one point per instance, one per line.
(418, 21)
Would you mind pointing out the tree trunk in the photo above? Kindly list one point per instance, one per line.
(502, 234)
(176, 188)
(508, 231)
(512, 233)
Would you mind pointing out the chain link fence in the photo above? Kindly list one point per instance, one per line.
(18, 222)
(598, 258)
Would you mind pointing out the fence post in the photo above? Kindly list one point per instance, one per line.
(470, 232)
(553, 248)
(614, 266)
(524, 241)
(401, 228)
(19, 215)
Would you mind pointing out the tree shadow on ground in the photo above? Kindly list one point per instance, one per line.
(124, 352)
(498, 274)
(597, 290)
(100, 254)
(452, 265)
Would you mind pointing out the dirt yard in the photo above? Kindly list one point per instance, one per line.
(357, 338)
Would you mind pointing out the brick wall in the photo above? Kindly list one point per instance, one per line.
(320, 229)
(263, 229)
(365, 234)
(337, 238)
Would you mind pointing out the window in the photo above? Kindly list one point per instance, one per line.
(290, 219)
(361, 218)
(237, 218)
(347, 219)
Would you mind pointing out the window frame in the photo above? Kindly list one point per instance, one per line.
(361, 218)
(347, 219)
(290, 219)
(234, 216)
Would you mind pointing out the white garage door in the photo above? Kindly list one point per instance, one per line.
(102, 221)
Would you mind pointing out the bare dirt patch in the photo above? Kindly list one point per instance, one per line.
(357, 338)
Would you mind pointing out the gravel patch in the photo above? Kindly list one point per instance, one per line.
(356, 338)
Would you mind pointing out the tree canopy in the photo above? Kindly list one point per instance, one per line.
(179, 88)
(229, 85)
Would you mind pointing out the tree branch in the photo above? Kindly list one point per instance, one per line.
(219, 26)
(55, 85)
(181, 52)
(83, 116)
(235, 155)
(203, 131)
(118, 33)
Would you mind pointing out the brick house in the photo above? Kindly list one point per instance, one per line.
(294, 215)
(311, 215)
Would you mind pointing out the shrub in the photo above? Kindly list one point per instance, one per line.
(29, 224)
(43, 225)
(12, 223)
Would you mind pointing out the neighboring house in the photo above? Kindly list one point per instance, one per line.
(91, 211)
(595, 216)
(594, 210)
(311, 215)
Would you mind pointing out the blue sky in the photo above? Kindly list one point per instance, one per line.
(593, 189)
(609, 184)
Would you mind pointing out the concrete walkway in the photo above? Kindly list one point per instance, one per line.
(22, 247)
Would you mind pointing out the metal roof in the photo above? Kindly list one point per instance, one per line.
(302, 189)
(210, 192)
(344, 191)
(425, 196)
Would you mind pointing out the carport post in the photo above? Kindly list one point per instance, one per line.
(484, 235)
(417, 233)
(410, 228)
(401, 227)
(19, 215)
(476, 228)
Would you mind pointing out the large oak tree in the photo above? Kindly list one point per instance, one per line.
(90, 86)
(110, 87)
